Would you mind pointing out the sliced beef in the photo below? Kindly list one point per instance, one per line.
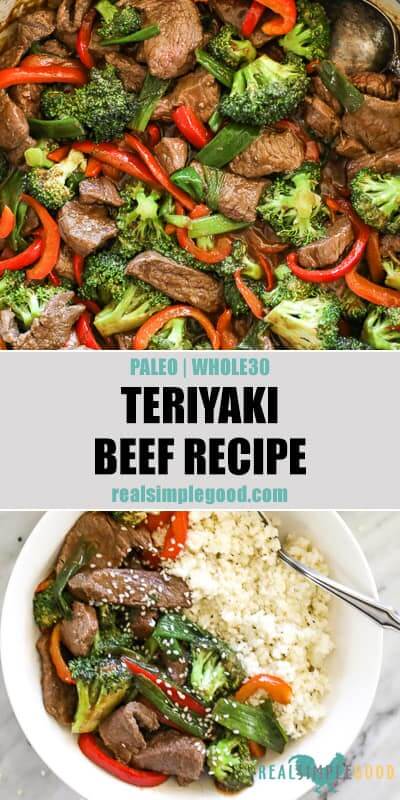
(388, 161)
(390, 245)
(239, 197)
(172, 153)
(124, 340)
(177, 669)
(52, 329)
(131, 587)
(199, 90)
(70, 14)
(234, 11)
(14, 128)
(30, 28)
(376, 84)
(333, 177)
(171, 53)
(9, 330)
(59, 698)
(186, 284)
(349, 147)
(173, 753)
(84, 228)
(65, 264)
(27, 97)
(120, 731)
(321, 118)
(31, 222)
(273, 151)
(131, 73)
(324, 94)
(142, 622)
(328, 250)
(376, 124)
(110, 539)
(55, 48)
(79, 632)
(100, 190)
(16, 155)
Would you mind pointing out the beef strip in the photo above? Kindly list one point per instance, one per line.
(110, 539)
(79, 632)
(27, 97)
(376, 124)
(172, 153)
(14, 128)
(333, 177)
(199, 90)
(177, 669)
(131, 73)
(120, 731)
(31, 222)
(9, 330)
(234, 11)
(124, 340)
(173, 753)
(390, 245)
(16, 155)
(271, 152)
(132, 587)
(376, 84)
(59, 698)
(65, 265)
(30, 28)
(324, 94)
(142, 622)
(328, 250)
(70, 14)
(388, 161)
(51, 330)
(55, 48)
(85, 228)
(186, 284)
(171, 53)
(321, 118)
(100, 190)
(349, 147)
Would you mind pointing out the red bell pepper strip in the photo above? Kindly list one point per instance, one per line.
(284, 19)
(153, 132)
(51, 240)
(199, 211)
(43, 585)
(348, 263)
(7, 222)
(78, 263)
(91, 306)
(154, 521)
(252, 18)
(12, 76)
(54, 279)
(59, 154)
(175, 693)
(24, 259)
(56, 656)
(158, 172)
(254, 303)
(3, 345)
(48, 60)
(370, 291)
(256, 750)
(268, 271)
(93, 168)
(84, 332)
(221, 251)
(118, 158)
(191, 127)
(175, 539)
(374, 258)
(83, 39)
(276, 687)
(228, 339)
(158, 320)
(90, 748)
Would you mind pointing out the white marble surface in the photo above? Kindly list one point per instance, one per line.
(22, 774)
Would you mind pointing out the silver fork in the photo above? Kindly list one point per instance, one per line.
(382, 615)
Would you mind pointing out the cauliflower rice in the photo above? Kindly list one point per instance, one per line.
(276, 620)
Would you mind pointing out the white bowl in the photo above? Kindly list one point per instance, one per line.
(354, 667)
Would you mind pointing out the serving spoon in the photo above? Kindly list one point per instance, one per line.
(364, 37)
(382, 615)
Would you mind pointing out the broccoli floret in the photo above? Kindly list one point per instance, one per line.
(310, 324)
(392, 270)
(138, 221)
(102, 106)
(104, 279)
(172, 336)
(53, 604)
(231, 764)
(354, 308)
(117, 22)
(4, 166)
(310, 37)
(293, 207)
(114, 634)
(131, 518)
(214, 672)
(381, 329)
(102, 684)
(376, 198)
(49, 186)
(229, 48)
(266, 91)
(349, 343)
(257, 337)
(138, 302)
(26, 300)
(289, 287)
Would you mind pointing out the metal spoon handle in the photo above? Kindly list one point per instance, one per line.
(385, 616)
